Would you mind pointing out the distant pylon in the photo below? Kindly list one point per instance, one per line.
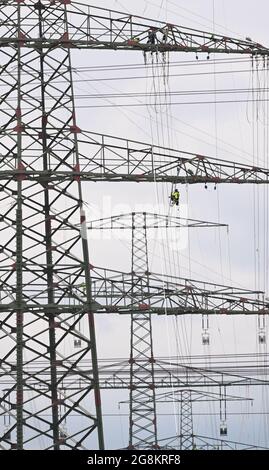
(142, 401)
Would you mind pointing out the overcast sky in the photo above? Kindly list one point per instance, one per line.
(234, 131)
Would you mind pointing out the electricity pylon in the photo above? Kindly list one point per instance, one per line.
(142, 411)
(38, 264)
(185, 397)
(41, 169)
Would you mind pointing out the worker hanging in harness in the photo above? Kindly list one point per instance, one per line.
(152, 36)
(174, 198)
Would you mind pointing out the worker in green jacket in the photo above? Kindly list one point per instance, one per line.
(175, 197)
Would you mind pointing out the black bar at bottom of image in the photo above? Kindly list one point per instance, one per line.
(124, 458)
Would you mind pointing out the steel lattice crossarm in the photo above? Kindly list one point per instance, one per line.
(112, 293)
(112, 290)
(108, 158)
(209, 443)
(125, 222)
(169, 373)
(91, 27)
(198, 396)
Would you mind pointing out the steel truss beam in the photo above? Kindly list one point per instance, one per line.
(172, 373)
(169, 373)
(112, 293)
(197, 396)
(112, 290)
(148, 220)
(210, 443)
(90, 27)
(107, 158)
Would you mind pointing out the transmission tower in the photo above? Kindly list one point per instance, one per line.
(44, 157)
(143, 415)
(186, 397)
(38, 132)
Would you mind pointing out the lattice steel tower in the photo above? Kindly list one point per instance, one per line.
(41, 263)
(142, 402)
